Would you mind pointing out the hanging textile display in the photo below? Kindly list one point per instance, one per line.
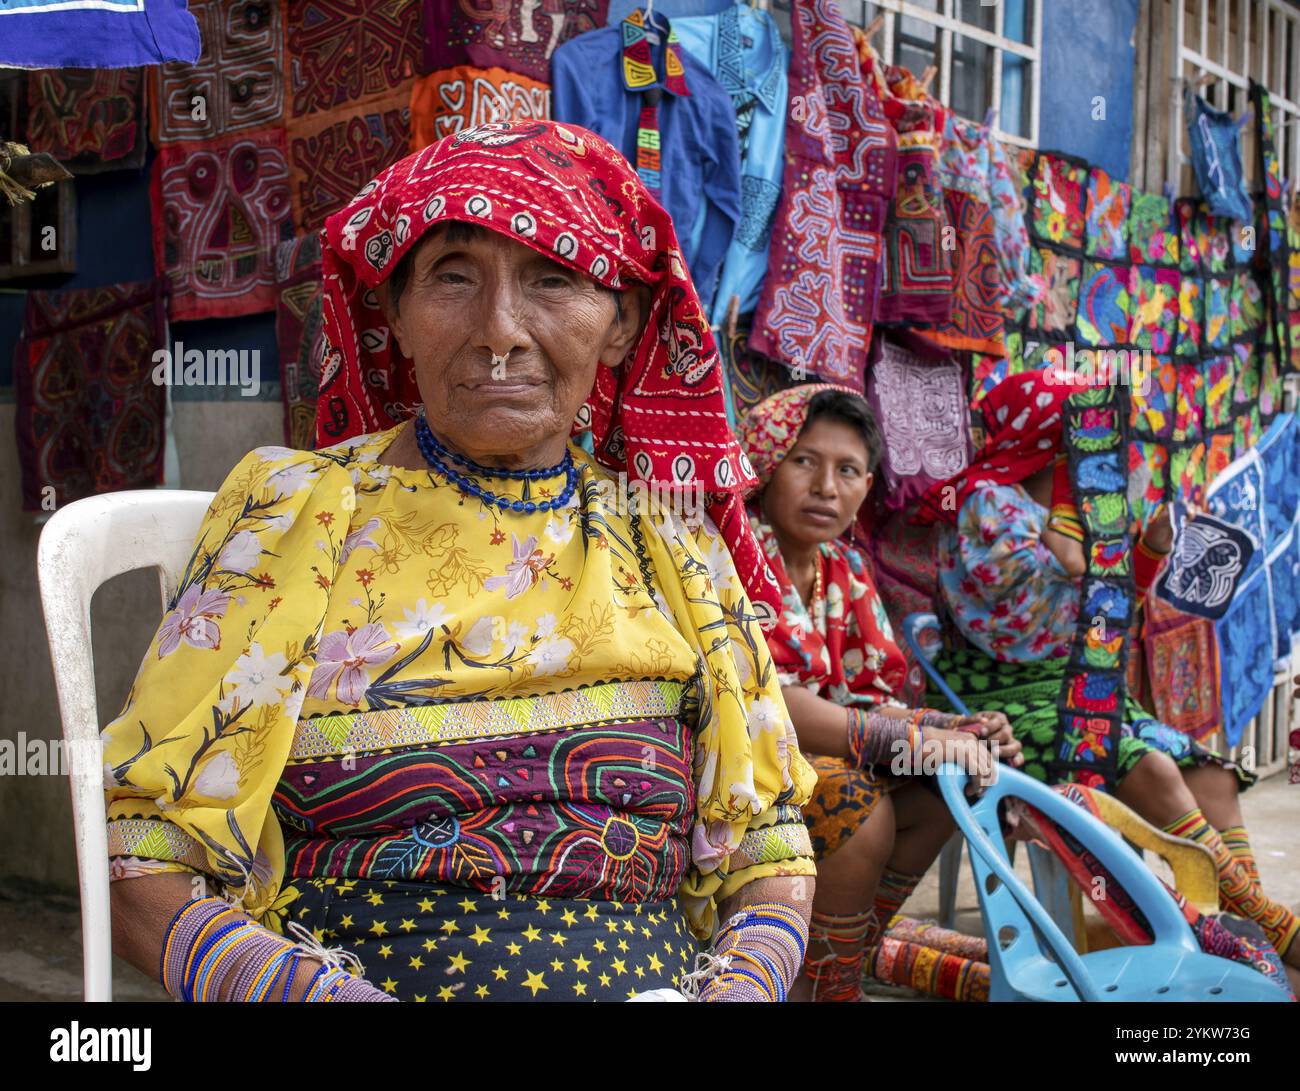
(1237, 565)
(818, 305)
(1275, 254)
(519, 37)
(124, 34)
(976, 322)
(300, 336)
(89, 120)
(454, 99)
(1106, 217)
(920, 404)
(89, 416)
(1183, 662)
(236, 86)
(334, 153)
(220, 209)
(1092, 698)
(342, 52)
(1006, 202)
(752, 377)
(917, 268)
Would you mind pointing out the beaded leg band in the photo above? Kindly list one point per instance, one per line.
(837, 946)
(212, 951)
(755, 956)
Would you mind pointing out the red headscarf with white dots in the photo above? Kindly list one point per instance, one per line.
(1023, 421)
(565, 192)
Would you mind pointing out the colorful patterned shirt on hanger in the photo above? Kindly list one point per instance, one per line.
(742, 47)
(672, 121)
(917, 282)
(976, 323)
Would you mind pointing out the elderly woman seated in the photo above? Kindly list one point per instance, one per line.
(875, 827)
(434, 697)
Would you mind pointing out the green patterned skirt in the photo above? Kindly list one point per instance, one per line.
(1026, 693)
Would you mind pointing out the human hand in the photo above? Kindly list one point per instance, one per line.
(995, 729)
(965, 750)
(1159, 534)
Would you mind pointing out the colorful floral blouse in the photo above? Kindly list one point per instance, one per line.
(843, 649)
(1005, 589)
(365, 674)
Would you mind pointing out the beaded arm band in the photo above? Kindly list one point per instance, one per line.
(756, 955)
(875, 737)
(212, 951)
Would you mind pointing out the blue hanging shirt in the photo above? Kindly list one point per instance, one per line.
(1216, 158)
(742, 47)
(699, 152)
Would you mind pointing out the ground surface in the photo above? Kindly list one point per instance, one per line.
(40, 932)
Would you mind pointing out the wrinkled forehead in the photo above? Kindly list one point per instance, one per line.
(559, 190)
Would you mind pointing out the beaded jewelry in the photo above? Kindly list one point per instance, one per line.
(434, 453)
(758, 952)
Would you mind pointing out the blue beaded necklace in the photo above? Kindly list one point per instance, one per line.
(434, 453)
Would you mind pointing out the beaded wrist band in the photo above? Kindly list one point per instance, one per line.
(759, 952)
(212, 951)
(873, 737)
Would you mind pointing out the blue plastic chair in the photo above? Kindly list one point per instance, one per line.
(1051, 881)
(1029, 956)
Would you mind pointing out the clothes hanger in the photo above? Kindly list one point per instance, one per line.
(650, 17)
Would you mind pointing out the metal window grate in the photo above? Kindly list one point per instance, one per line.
(987, 53)
(1217, 46)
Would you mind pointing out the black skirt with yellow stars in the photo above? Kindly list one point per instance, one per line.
(428, 944)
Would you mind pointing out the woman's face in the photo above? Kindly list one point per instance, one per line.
(815, 492)
(489, 296)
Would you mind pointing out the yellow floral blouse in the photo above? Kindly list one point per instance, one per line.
(340, 619)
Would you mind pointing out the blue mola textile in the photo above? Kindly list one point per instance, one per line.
(96, 33)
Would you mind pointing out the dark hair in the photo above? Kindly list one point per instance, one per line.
(457, 231)
(850, 409)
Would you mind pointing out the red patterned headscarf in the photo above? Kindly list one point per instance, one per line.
(568, 194)
(1024, 421)
(770, 428)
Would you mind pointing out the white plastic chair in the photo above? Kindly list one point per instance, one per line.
(82, 546)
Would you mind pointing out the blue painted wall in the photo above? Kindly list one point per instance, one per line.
(1088, 50)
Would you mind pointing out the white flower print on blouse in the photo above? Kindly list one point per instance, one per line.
(258, 678)
(420, 620)
(219, 778)
(240, 554)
